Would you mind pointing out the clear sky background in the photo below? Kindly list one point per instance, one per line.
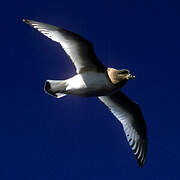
(43, 138)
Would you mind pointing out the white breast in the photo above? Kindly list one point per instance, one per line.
(89, 82)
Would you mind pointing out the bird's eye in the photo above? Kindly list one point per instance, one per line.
(124, 72)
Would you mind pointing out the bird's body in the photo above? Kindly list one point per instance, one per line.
(95, 79)
(89, 84)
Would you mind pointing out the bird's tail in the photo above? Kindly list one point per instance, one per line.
(55, 88)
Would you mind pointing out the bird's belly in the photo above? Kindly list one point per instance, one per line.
(89, 84)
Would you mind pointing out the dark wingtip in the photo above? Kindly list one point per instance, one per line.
(26, 21)
(140, 163)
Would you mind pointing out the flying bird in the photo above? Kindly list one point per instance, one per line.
(93, 79)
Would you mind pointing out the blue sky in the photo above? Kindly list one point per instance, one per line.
(45, 138)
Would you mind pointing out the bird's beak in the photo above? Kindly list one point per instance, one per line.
(131, 76)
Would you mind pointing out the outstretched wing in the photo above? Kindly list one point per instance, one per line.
(80, 50)
(130, 115)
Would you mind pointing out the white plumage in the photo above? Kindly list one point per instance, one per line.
(95, 79)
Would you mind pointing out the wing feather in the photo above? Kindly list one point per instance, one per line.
(80, 50)
(130, 115)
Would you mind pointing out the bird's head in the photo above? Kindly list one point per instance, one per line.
(119, 77)
(124, 74)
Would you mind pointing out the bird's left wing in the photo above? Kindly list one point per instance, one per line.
(130, 115)
(80, 50)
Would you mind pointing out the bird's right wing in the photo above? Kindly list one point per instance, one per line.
(130, 115)
(80, 50)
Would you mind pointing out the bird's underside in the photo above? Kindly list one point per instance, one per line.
(94, 79)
